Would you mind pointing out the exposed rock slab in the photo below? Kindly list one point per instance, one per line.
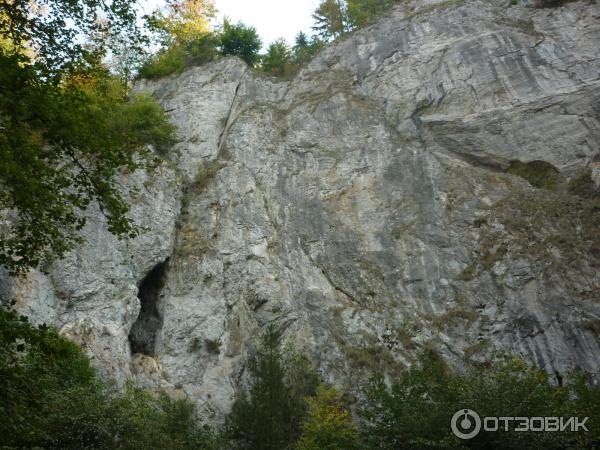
(362, 206)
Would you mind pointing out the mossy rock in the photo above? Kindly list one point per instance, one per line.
(539, 174)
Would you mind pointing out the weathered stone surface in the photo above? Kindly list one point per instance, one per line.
(363, 207)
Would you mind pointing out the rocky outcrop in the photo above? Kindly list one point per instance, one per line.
(368, 207)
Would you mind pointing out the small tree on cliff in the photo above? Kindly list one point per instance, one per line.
(240, 40)
(330, 19)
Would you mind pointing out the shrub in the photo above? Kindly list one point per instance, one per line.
(416, 410)
(240, 40)
(178, 57)
(278, 60)
(50, 398)
(362, 12)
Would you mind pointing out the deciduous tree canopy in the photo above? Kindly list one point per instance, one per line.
(66, 125)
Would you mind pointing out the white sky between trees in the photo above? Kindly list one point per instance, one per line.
(273, 19)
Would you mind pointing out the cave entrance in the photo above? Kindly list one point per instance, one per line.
(142, 337)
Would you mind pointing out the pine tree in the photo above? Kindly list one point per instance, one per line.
(330, 19)
(301, 49)
(269, 414)
(278, 58)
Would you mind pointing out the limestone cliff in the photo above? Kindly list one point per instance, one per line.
(369, 207)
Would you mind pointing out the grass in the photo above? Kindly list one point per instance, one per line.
(454, 317)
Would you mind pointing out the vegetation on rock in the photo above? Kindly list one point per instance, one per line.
(50, 397)
(269, 414)
(67, 126)
(415, 411)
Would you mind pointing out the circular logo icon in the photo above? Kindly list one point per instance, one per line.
(466, 424)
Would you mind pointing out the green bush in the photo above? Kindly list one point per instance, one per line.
(416, 410)
(278, 60)
(177, 58)
(50, 398)
(166, 62)
(240, 40)
(362, 12)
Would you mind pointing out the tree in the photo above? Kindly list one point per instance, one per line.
(304, 50)
(278, 59)
(328, 425)
(241, 41)
(50, 397)
(416, 410)
(361, 12)
(330, 19)
(182, 21)
(187, 20)
(66, 129)
(185, 36)
(269, 415)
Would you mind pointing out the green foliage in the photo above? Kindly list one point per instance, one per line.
(241, 41)
(270, 413)
(362, 12)
(283, 61)
(539, 174)
(333, 18)
(140, 419)
(330, 19)
(166, 62)
(54, 29)
(278, 59)
(178, 57)
(304, 49)
(183, 21)
(328, 425)
(67, 127)
(60, 149)
(50, 398)
(416, 410)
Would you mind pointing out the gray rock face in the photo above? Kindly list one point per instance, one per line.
(364, 207)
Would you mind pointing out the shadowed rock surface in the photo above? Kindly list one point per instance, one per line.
(377, 204)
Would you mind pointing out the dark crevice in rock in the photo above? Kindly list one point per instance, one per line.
(142, 337)
(228, 120)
